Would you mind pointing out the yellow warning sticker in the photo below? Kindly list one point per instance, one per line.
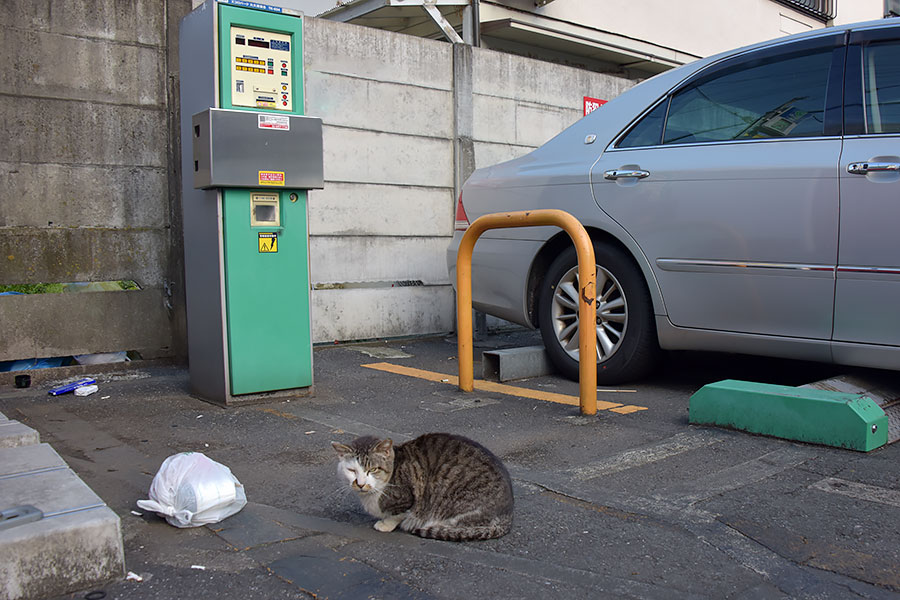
(271, 178)
(268, 242)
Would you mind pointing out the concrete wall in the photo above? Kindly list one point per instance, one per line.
(89, 172)
(405, 120)
(519, 103)
(85, 185)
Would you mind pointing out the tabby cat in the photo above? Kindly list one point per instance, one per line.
(439, 486)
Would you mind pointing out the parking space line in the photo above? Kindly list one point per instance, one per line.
(860, 491)
(501, 388)
(673, 446)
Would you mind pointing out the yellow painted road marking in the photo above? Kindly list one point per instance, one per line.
(500, 388)
(279, 413)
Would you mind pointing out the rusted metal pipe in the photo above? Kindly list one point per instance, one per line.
(587, 281)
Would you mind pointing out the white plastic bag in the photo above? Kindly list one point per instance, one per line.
(190, 489)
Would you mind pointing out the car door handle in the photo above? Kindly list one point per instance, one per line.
(861, 168)
(616, 173)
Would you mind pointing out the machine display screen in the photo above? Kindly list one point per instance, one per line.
(261, 65)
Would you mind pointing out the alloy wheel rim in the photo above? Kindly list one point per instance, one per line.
(612, 313)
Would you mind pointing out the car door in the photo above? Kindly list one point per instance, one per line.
(730, 188)
(867, 293)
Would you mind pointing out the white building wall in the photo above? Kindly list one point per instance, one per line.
(698, 27)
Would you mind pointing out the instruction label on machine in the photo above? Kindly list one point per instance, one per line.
(268, 242)
(271, 178)
(274, 122)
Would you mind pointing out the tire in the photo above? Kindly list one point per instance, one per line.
(627, 348)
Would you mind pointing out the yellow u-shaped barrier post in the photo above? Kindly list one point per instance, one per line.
(587, 281)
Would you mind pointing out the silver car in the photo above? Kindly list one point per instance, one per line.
(748, 202)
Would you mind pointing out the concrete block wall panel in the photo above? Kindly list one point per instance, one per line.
(59, 131)
(362, 52)
(528, 80)
(85, 112)
(520, 103)
(346, 314)
(358, 156)
(378, 260)
(82, 254)
(53, 325)
(386, 213)
(348, 101)
(92, 70)
(130, 22)
(80, 202)
(368, 209)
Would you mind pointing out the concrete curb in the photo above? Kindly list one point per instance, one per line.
(794, 413)
(76, 543)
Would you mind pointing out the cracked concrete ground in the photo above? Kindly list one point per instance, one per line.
(640, 505)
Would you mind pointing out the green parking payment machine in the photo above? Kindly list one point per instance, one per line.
(249, 155)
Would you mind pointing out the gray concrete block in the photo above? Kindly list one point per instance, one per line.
(400, 311)
(132, 196)
(339, 48)
(379, 106)
(353, 155)
(529, 80)
(537, 123)
(13, 433)
(25, 459)
(346, 209)
(78, 132)
(83, 254)
(515, 363)
(494, 119)
(374, 259)
(96, 322)
(93, 69)
(142, 21)
(77, 544)
(61, 554)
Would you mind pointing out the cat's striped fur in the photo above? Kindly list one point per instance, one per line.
(438, 485)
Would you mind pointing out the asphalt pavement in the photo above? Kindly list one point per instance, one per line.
(629, 504)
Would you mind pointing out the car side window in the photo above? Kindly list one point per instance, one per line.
(775, 97)
(648, 131)
(881, 87)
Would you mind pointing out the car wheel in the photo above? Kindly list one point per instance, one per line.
(626, 336)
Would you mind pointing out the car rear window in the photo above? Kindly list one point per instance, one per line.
(881, 82)
(777, 97)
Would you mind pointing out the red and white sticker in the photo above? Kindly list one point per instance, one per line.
(592, 104)
(274, 122)
(271, 178)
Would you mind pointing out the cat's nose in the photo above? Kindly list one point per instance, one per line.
(366, 487)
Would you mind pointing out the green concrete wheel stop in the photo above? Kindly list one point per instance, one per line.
(807, 415)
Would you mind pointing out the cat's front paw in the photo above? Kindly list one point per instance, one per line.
(385, 525)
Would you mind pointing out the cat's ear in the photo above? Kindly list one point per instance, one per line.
(341, 449)
(384, 447)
